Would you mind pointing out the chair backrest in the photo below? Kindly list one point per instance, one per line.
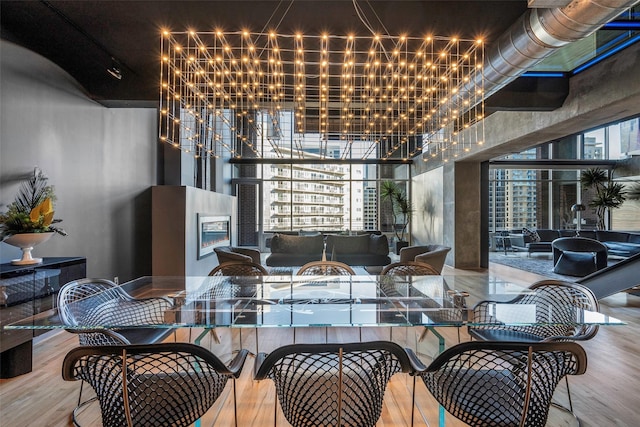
(229, 253)
(78, 290)
(151, 385)
(410, 253)
(86, 302)
(239, 268)
(333, 384)
(563, 297)
(553, 299)
(409, 268)
(502, 383)
(435, 258)
(325, 268)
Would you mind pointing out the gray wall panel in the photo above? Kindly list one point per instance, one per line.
(101, 161)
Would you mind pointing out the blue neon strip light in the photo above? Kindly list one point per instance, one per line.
(542, 74)
(606, 55)
(626, 25)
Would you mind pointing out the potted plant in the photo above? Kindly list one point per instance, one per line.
(400, 210)
(29, 219)
(609, 194)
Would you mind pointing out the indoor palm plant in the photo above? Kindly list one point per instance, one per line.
(400, 210)
(608, 194)
(29, 220)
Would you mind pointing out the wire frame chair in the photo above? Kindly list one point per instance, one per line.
(88, 302)
(554, 300)
(239, 268)
(409, 268)
(333, 384)
(325, 268)
(165, 384)
(502, 383)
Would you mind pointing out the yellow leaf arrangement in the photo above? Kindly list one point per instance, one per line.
(44, 209)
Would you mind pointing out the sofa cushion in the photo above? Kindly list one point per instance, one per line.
(622, 248)
(378, 244)
(634, 238)
(347, 244)
(282, 243)
(589, 234)
(291, 260)
(612, 236)
(567, 233)
(363, 259)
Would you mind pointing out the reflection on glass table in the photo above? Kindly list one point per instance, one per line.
(309, 301)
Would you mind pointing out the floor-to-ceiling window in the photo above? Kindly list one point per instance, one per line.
(313, 184)
(536, 189)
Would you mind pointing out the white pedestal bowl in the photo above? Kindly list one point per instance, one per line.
(26, 242)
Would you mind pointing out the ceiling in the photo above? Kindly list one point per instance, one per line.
(82, 37)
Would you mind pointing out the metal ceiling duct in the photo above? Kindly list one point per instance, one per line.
(540, 32)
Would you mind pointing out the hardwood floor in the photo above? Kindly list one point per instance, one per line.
(607, 395)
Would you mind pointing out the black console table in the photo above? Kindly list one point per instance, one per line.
(26, 290)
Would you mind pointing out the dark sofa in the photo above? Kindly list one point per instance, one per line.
(618, 243)
(368, 249)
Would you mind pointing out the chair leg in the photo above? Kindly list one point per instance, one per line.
(413, 400)
(80, 395)
(235, 406)
(566, 380)
(275, 411)
(81, 404)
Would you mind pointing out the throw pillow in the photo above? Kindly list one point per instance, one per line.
(533, 235)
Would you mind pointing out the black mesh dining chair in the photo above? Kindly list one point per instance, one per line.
(166, 384)
(555, 303)
(333, 384)
(85, 303)
(505, 384)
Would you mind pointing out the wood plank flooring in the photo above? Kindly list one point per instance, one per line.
(607, 395)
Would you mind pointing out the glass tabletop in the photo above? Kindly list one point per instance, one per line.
(298, 301)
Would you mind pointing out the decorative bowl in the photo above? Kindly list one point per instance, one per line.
(26, 242)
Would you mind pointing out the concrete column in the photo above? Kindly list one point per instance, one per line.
(463, 213)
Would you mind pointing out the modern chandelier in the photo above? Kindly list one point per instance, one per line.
(271, 95)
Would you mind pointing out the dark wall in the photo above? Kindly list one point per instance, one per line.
(101, 161)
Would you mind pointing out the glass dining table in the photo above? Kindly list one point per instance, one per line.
(293, 302)
(285, 301)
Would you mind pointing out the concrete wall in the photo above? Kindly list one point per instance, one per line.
(175, 228)
(101, 161)
(427, 220)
